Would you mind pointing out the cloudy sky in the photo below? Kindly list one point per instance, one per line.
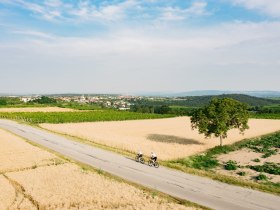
(125, 46)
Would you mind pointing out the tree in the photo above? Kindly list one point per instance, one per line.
(219, 117)
(45, 100)
(3, 101)
(164, 109)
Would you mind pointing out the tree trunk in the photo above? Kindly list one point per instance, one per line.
(221, 141)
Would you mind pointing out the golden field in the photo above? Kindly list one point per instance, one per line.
(37, 109)
(170, 138)
(63, 185)
(16, 154)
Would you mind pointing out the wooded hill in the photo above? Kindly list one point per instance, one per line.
(198, 101)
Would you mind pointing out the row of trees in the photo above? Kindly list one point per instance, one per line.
(199, 101)
(265, 109)
(164, 109)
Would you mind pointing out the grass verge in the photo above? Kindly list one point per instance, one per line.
(204, 164)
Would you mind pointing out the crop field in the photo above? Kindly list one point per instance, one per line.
(36, 109)
(79, 116)
(15, 154)
(275, 116)
(61, 184)
(170, 138)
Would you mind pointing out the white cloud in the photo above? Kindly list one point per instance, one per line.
(198, 8)
(55, 10)
(112, 11)
(268, 7)
(107, 12)
(53, 3)
(33, 34)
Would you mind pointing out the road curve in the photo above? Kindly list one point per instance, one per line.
(204, 191)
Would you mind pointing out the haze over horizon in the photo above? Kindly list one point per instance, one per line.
(120, 46)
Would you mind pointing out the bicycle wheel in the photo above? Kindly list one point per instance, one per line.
(142, 160)
(156, 164)
(150, 163)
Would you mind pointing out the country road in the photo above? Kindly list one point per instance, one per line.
(197, 189)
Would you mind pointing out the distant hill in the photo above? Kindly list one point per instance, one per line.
(250, 100)
(198, 101)
(264, 94)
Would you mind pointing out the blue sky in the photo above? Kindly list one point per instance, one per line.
(125, 46)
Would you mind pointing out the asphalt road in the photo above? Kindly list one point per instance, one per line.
(197, 189)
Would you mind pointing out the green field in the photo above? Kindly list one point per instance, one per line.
(275, 116)
(71, 117)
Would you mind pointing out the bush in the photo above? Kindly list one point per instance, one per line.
(231, 165)
(257, 160)
(265, 145)
(241, 173)
(261, 177)
(3, 101)
(204, 162)
(199, 162)
(269, 152)
(268, 167)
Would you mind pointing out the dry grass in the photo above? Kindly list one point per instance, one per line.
(68, 187)
(170, 138)
(7, 194)
(64, 186)
(37, 109)
(16, 154)
(12, 199)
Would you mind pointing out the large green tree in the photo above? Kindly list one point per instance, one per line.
(219, 117)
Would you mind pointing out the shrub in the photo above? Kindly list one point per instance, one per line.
(205, 162)
(261, 177)
(269, 152)
(231, 165)
(241, 173)
(268, 167)
(265, 145)
(256, 160)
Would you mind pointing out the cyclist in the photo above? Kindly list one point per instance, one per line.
(153, 156)
(140, 154)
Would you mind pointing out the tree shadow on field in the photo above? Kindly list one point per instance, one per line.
(172, 139)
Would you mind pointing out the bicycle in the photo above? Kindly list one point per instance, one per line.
(140, 159)
(153, 163)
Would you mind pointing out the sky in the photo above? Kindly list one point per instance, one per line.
(133, 46)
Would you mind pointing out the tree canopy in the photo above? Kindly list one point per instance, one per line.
(44, 100)
(219, 117)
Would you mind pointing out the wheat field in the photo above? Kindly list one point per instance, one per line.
(170, 138)
(62, 184)
(16, 154)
